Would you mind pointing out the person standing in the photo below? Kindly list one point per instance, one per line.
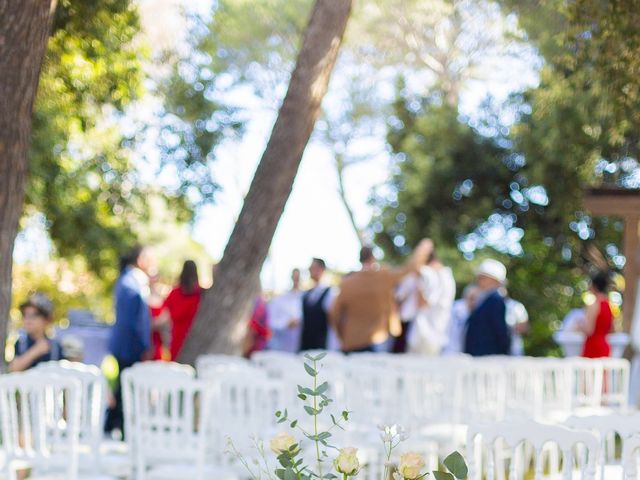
(316, 305)
(364, 313)
(130, 339)
(258, 330)
(33, 345)
(487, 330)
(181, 305)
(460, 312)
(598, 320)
(437, 289)
(407, 297)
(285, 314)
(518, 322)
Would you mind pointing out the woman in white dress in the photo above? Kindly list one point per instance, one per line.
(437, 289)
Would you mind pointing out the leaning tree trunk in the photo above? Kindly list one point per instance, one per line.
(24, 29)
(220, 322)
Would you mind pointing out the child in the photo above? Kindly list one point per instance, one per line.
(34, 346)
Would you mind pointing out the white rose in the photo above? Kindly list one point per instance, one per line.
(347, 461)
(281, 443)
(411, 465)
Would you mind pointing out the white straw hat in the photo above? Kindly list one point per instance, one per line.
(493, 269)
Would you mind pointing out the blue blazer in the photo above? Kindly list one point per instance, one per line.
(487, 330)
(131, 334)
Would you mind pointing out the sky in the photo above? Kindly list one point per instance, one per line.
(314, 222)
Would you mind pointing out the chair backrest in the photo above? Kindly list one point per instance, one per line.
(93, 398)
(630, 457)
(244, 407)
(172, 417)
(168, 368)
(491, 441)
(480, 394)
(40, 414)
(277, 364)
(586, 383)
(220, 362)
(609, 429)
(615, 382)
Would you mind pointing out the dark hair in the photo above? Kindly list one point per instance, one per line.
(189, 277)
(600, 281)
(320, 262)
(366, 254)
(433, 256)
(131, 257)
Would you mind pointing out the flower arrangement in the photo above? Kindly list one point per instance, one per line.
(345, 465)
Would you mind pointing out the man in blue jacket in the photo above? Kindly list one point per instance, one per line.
(131, 334)
(487, 330)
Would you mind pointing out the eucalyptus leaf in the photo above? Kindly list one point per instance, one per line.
(310, 370)
(443, 476)
(456, 465)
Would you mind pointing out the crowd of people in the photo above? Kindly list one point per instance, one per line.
(411, 308)
(407, 309)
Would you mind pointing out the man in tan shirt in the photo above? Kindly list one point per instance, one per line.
(364, 313)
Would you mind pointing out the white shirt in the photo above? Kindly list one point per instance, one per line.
(457, 326)
(282, 310)
(516, 314)
(429, 333)
(407, 296)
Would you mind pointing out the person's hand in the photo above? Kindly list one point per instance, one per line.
(424, 249)
(41, 347)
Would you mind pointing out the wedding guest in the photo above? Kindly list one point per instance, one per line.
(408, 298)
(258, 331)
(518, 322)
(285, 314)
(487, 330)
(130, 339)
(460, 312)
(437, 289)
(181, 305)
(316, 305)
(364, 313)
(33, 345)
(598, 321)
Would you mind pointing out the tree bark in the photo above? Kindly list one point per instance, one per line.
(24, 30)
(220, 324)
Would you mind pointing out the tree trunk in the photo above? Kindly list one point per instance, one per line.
(342, 193)
(220, 323)
(24, 30)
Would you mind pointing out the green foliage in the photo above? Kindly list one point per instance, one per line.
(82, 176)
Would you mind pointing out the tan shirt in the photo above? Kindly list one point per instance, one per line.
(364, 313)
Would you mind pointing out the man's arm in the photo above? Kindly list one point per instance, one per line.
(22, 362)
(415, 261)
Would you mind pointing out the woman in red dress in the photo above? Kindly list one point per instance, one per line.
(598, 319)
(181, 306)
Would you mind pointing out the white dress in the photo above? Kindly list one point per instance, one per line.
(430, 330)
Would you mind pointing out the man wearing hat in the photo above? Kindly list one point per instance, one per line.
(33, 345)
(487, 330)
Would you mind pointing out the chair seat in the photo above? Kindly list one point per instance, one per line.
(114, 464)
(188, 471)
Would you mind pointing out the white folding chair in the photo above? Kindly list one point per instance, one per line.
(615, 382)
(610, 428)
(171, 427)
(41, 416)
(586, 384)
(630, 457)
(219, 362)
(490, 447)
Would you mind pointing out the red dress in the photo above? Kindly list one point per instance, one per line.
(182, 308)
(596, 345)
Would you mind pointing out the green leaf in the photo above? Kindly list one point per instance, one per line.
(289, 474)
(310, 370)
(278, 413)
(280, 473)
(302, 396)
(456, 465)
(322, 388)
(294, 423)
(320, 356)
(310, 410)
(305, 391)
(442, 475)
(345, 414)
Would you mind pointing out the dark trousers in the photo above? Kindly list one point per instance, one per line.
(114, 419)
(400, 343)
